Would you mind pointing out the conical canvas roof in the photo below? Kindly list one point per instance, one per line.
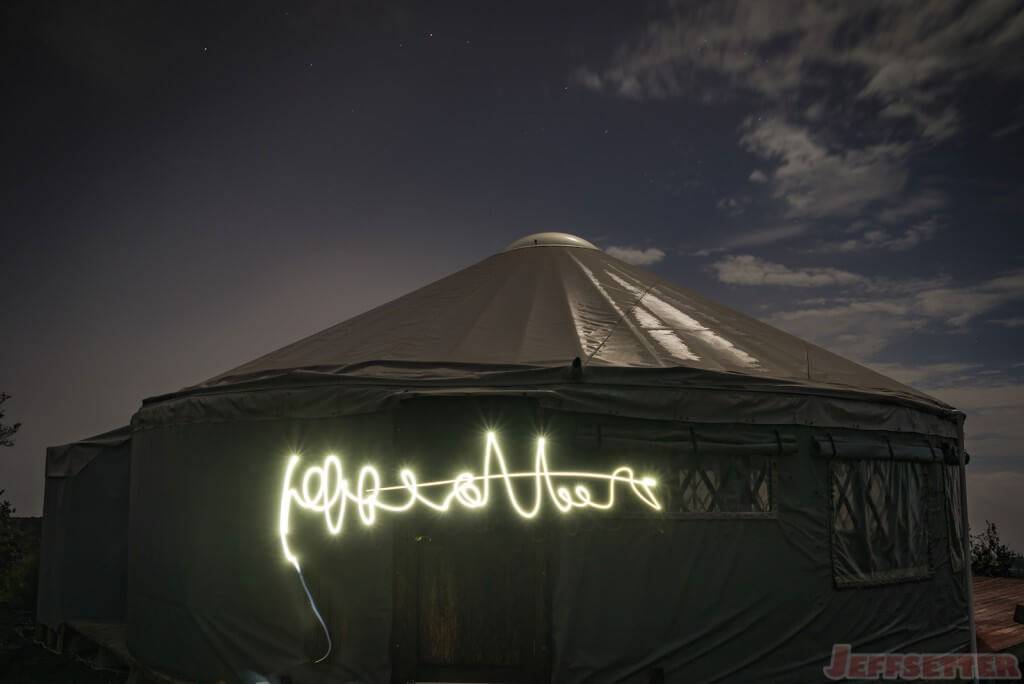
(550, 298)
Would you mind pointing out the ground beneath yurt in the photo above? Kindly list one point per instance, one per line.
(23, 661)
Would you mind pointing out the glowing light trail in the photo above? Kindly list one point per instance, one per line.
(324, 489)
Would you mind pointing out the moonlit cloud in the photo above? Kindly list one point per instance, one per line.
(904, 66)
(815, 180)
(868, 314)
(750, 270)
(959, 305)
(755, 238)
(882, 238)
(733, 206)
(896, 71)
(925, 373)
(635, 256)
(913, 207)
(932, 300)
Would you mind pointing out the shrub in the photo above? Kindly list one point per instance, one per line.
(19, 557)
(989, 556)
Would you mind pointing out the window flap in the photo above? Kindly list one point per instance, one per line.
(951, 454)
(918, 451)
(740, 441)
(872, 447)
(858, 446)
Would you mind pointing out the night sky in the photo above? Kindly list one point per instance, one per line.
(187, 186)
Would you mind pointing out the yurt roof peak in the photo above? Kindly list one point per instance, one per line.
(527, 307)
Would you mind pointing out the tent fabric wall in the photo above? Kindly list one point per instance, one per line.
(701, 599)
(83, 561)
(210, 595)
(739, 598)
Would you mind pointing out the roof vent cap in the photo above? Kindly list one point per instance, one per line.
(549, 240)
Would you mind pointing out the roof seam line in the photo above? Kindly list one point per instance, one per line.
(621, 318)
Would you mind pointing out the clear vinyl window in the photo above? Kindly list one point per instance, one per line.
(879, 521)
(701, 471)
(721, 484)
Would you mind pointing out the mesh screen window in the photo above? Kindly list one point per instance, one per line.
(879, 521)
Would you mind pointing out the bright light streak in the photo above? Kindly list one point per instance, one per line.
(324, 489)
(282, 524)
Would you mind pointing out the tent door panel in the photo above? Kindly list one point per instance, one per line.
(469, 604)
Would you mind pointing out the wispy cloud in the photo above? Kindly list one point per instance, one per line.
(733, 206)
(1009, 322)
(938, 300)
(913, 207)
(858, 328)
(911, 237)
(902, 58)
(870, 313)
(1008, 129)
(957, 306)
(933, 125)
(815, 180)
(637, 257)
(756, 238)
(847, 94)
(746, 269)
(766, 236)
(881, 238)
(925, 374)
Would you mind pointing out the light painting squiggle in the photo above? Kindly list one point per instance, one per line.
(323, 489)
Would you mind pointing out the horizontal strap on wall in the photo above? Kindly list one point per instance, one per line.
(715, 441)
(920, 452)
(710, 440)
(875, 447)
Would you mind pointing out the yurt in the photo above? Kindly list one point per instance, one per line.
(550, 466)
(84, 544)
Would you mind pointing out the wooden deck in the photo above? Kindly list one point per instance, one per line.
(994, 602)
